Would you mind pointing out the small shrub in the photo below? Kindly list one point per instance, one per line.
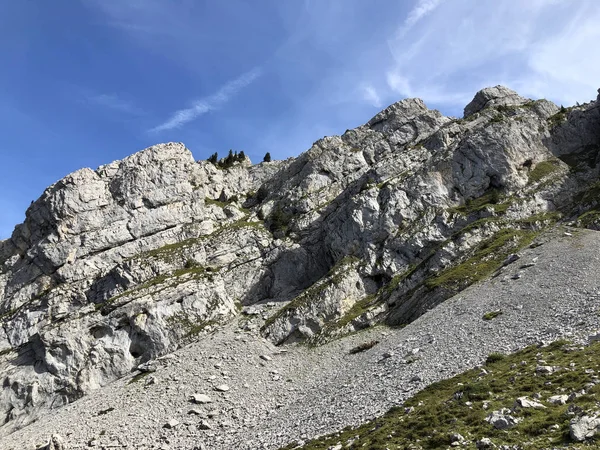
(190, 264)
(494, 358)
(498, 118)
(491, 315)
(363, 347)
(280, 220)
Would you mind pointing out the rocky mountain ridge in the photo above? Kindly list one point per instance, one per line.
(115, 267)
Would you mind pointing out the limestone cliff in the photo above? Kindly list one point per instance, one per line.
(116, 266)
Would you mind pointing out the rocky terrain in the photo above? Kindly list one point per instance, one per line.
(277, 395)
(192, 272)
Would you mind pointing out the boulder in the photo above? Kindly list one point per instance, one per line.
(584, 427)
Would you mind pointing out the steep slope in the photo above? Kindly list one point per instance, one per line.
(115, 267)
(280, 395)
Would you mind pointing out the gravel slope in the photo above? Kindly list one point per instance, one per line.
(298, 392)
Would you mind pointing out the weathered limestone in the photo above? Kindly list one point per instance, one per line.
(116, 266)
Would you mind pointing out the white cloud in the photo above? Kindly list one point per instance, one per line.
(568, 61)
(113, 101)
(539, 48)
(420, 10)
(215, 101)
(371, 96)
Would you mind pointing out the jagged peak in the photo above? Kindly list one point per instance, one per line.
(494, 95)
(409, 107)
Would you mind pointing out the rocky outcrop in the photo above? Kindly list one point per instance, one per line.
(116, 266)
(493, 96)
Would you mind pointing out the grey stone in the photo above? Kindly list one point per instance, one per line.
(584, 427)
(558, 399)
(171, 423)
(201, 398)
(525, 402)
(502, 419)
(485, 443)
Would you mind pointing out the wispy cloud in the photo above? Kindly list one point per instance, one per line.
(420, 10)
(543, 48)
(114, 102)
(371, 96)
(215, 101)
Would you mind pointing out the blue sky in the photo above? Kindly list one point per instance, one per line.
(86, 82)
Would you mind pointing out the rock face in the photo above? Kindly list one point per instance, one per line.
(116, 266)
(493, 96)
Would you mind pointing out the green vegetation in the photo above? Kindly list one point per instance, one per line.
(357, 310)
(210, 201)
(488, 257)
(498, 118)
(138, 377)
(191, 327)
(590, 198)
(559, 117)
(494, 358)
(431, 417)
(491, 315)
(165, 281)
(507, 109)
(168, 251)
(267, 157)
(546, 218)
(279, 220)
(543, 169)
(313, 293)
(589, 219)
(395, 179)
(490, 198)
(228, 161)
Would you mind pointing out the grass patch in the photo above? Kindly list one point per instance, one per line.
(498, 118)
(428, 420)
(589, 218)
(492, 198)
(543, 169)
(279, 220)
(210, 201)
(494, 358)
(191, 327)
(333, 277)
(491, 315)
(169, 279)
(167, 250)
(546, 218)
(488, 257)
(559, 117)
(138, 377)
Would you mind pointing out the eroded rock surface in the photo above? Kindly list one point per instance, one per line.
(117, 266)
